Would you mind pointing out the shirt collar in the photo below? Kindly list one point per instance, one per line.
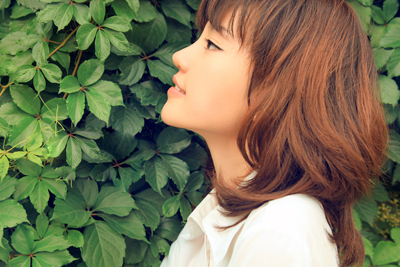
(206, 217)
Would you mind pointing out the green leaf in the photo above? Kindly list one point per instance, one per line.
(389, 90)
(390, 34)
(109, 90)
(146, 12)
(135, 250)
(52, 73)
(55, 110)
(130, 225)
(178, 32)
(28, 168)
(119, 40)
(364, 14)
(39, 196)
(378, 15)
(195, 181)
(63, 15)
(395, 234)
(12, 213)
(148, 92)
(147, 213)
(102, 44)
(40, 52)
(126, 120)
(393, 63)
(117, 23)
(113, 201)
(85, 35)
(156, 174)
(89, 147)
(169, 228)
(11, 45)
(57, 144)
(390, 8)
(25, 73)
(7, 186)
(4, 165)
(51, 243)
(380, 193)
(369, 248)
(75, 238)
(47, 14)
(71, 211)
(177, 169)
(20, 11)
(39, 82)
(123, 9)
(88, 189)
(21, 261)
(22, 239)
(54, 259)
(70, 84)
(98, 10)
(34, 142)
(76, 106)
(150, 35)
(132, 69)
(32, 4)
(367, 209)
(194, 4)
(162, 71)
(5, 129)
(25, 98)
(103, 246)
(74, 153)
(185, 208)
(386, 252)
(173, 140)
(194, 155)
(98, 105)
(171, 206)
(42, 222)
(21, 132)
(90, 72)
(381, 56)
(90, 133)
(57, 187)
(165, 52)
(11, 113)
(81, 13)
(176, 10)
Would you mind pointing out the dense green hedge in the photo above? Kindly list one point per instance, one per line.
(89, 174)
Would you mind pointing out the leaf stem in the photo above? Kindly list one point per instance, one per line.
(75, 69)
(4, 87)
(63, 42)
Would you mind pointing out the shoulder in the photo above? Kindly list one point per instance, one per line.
(294, 215)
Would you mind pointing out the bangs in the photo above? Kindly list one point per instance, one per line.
(214, 11)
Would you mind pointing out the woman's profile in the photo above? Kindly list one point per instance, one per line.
(285, 94)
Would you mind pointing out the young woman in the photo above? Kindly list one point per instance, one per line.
(285, 94)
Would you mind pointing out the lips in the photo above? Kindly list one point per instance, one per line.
(177, 86)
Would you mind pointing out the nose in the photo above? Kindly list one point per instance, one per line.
(182, 59)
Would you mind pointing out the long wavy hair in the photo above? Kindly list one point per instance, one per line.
(315, 124)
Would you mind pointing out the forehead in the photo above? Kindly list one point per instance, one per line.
(228, 17)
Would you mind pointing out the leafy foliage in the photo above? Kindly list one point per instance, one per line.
(89, 174)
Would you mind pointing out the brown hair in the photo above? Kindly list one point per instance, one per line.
(314, 125)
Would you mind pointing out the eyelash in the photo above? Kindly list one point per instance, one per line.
(211, 43)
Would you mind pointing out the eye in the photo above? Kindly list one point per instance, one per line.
(210, 45)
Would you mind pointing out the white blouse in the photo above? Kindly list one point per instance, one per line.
(286, 232)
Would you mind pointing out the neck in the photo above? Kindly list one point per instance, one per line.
(228, 161)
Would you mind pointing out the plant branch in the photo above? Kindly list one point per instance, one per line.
(64, 42)
(4, 87)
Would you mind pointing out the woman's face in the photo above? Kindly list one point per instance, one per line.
(214, 76)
